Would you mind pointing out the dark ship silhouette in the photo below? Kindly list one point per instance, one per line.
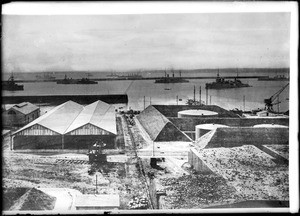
(221, 83)
(67, 80)
(11, 85)
(173, 79)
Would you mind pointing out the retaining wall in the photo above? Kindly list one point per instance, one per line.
(196, 162)
(188, 124)
(233, 137)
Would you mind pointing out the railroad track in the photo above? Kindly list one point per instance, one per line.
(70, 161)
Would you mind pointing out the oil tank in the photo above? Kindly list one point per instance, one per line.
(195, 113)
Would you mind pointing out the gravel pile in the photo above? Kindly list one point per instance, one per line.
(197, 191)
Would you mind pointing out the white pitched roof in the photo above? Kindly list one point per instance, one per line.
(70, 116)
(59, 118)
(99, 114)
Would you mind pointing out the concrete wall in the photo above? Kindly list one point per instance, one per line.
(188, 124)
(197, 163)
(232, 137)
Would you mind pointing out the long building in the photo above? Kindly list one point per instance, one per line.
(69, 126)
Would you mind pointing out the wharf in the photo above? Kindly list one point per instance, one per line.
(59, 99)
(147, 78)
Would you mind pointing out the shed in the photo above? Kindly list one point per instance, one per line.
(20, 114)
(97, 202)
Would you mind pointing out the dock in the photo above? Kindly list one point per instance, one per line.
(59, 99)
(147, 78)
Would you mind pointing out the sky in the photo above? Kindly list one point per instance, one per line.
(35, 43)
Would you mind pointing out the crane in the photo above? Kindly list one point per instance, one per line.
(269, 102)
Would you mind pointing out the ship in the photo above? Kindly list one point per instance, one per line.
(11, 85)
(86, 81)
(276, 78)
(66, 80)
(173, 79)
(221, 83)
(45, 77)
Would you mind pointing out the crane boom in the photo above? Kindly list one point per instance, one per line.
(269, 102)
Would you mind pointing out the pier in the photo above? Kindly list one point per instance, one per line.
(147, 78)
(59, 99)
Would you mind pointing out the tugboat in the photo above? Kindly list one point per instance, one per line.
(276, 78)
(86, 81)
(221, 83)
(173, 79)
(10, 85)
(66, 81)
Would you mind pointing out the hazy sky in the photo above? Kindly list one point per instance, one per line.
(124, 42)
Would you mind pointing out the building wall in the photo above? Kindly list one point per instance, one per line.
(86, 141)
(37, 130)
(89, 129)
(37, 142)
(59, 141)
(18, 119)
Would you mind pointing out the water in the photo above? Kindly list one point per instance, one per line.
(156, 94)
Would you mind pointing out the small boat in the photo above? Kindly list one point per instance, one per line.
(168, 89)
(276, 78)
(11, 85)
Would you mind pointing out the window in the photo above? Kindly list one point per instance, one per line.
(11, 112)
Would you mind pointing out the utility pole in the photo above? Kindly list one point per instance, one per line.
(177, 99)
(210, 100)
(244, 102)
(206, 96)
(200, 95)
(96, 184)
(194, 93)
(278, 104)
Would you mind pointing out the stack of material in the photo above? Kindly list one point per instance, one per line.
(138, 203)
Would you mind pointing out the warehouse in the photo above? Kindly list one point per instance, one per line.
(69, 126)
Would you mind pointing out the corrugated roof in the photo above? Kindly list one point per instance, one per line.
(88, 200)
(99, 114)
(24, 107)
(59, 118)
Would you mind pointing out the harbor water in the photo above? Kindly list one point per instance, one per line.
(142, 93)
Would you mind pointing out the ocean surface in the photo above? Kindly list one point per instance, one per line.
(142, 93)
